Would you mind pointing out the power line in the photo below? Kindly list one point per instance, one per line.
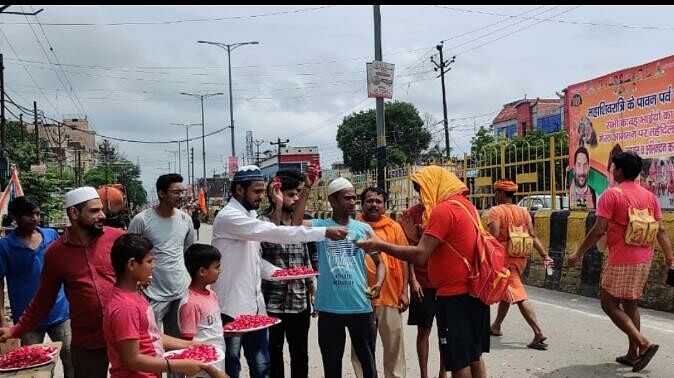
(585, 23)
(37, 39)
(516, 31)
(169, 22)
(28, 72)
(499, 29)
(9, 100)
(58, 61)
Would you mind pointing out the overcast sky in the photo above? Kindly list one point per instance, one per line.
(127, 65)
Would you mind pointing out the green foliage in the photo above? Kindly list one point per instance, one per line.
(483, 138)
(406, 137)
(46, 190)
(118, 169)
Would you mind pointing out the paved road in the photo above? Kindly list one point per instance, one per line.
(583, 341)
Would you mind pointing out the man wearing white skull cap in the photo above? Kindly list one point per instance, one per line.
(237, 234)
(80, 261)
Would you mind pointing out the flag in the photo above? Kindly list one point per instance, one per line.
(12, 191)
(202, 201)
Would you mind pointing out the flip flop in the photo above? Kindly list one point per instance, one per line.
(539, 345)
(624, 360)
(645, 358)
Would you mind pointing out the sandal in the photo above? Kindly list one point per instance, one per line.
(538, 344)
(645, 358)
(624, 360)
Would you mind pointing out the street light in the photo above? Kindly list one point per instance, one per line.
(203, 133)
(187, 152)
(229, 47)
(175, 161)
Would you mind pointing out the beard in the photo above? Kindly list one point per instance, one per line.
(91, 228)
(577, 182)
(250, 206)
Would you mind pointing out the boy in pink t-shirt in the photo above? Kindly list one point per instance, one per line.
(199, 315)
(135, 346)
(627, 269)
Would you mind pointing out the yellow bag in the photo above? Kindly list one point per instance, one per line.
(520, 243)
(642, 228)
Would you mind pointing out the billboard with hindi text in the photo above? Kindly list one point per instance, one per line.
(627, 110)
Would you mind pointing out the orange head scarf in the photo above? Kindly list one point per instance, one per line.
(436, 185)
(505, 185)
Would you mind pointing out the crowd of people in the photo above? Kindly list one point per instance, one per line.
(118, 299)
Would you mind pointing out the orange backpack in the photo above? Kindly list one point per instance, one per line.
(642, 228)
(487, 276)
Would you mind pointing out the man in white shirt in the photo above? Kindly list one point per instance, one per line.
(237, 234)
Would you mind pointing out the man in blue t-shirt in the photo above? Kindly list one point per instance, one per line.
(21, 261)
(343, 298)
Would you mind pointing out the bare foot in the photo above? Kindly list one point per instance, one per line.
(495, 331)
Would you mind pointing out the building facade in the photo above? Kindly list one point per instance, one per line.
(522, 116)
(297, 157)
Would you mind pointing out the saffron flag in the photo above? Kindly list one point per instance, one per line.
(12, 191)
(202, 201)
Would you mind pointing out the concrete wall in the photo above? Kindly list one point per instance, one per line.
(562, 232)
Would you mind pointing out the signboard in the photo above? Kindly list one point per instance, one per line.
(380, 79)
(233, 165)
(42, 169)
(628, 110)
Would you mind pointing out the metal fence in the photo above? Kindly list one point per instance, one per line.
(540, 170)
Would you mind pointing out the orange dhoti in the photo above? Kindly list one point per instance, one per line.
(516, 292)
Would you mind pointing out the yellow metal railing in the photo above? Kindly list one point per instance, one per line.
(539, 170)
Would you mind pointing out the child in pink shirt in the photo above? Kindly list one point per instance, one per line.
(135, 346)
(199, 315)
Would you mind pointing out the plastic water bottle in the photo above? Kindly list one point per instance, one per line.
(549, 270)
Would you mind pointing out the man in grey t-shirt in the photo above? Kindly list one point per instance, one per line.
(171, 231)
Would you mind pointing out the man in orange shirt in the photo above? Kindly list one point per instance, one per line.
(393, 298)
(501, 218)
(463, 321)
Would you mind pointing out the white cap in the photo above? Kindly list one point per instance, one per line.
(338, 184)
(79, 195)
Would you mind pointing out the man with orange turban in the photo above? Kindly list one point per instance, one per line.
(502, 218)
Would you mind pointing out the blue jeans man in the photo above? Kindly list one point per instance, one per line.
(255, 348)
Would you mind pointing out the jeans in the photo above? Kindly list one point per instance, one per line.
(255, 348)
(90, 363)
(331, 339)
(295, 328)
(57, 332)
(166, 315)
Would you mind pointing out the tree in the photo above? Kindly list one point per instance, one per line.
(46, 189)
(113, 167)
(484, 137)
(406, 137)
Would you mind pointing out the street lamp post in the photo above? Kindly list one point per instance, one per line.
(201, 97)
(187, 151)
(229, 47)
